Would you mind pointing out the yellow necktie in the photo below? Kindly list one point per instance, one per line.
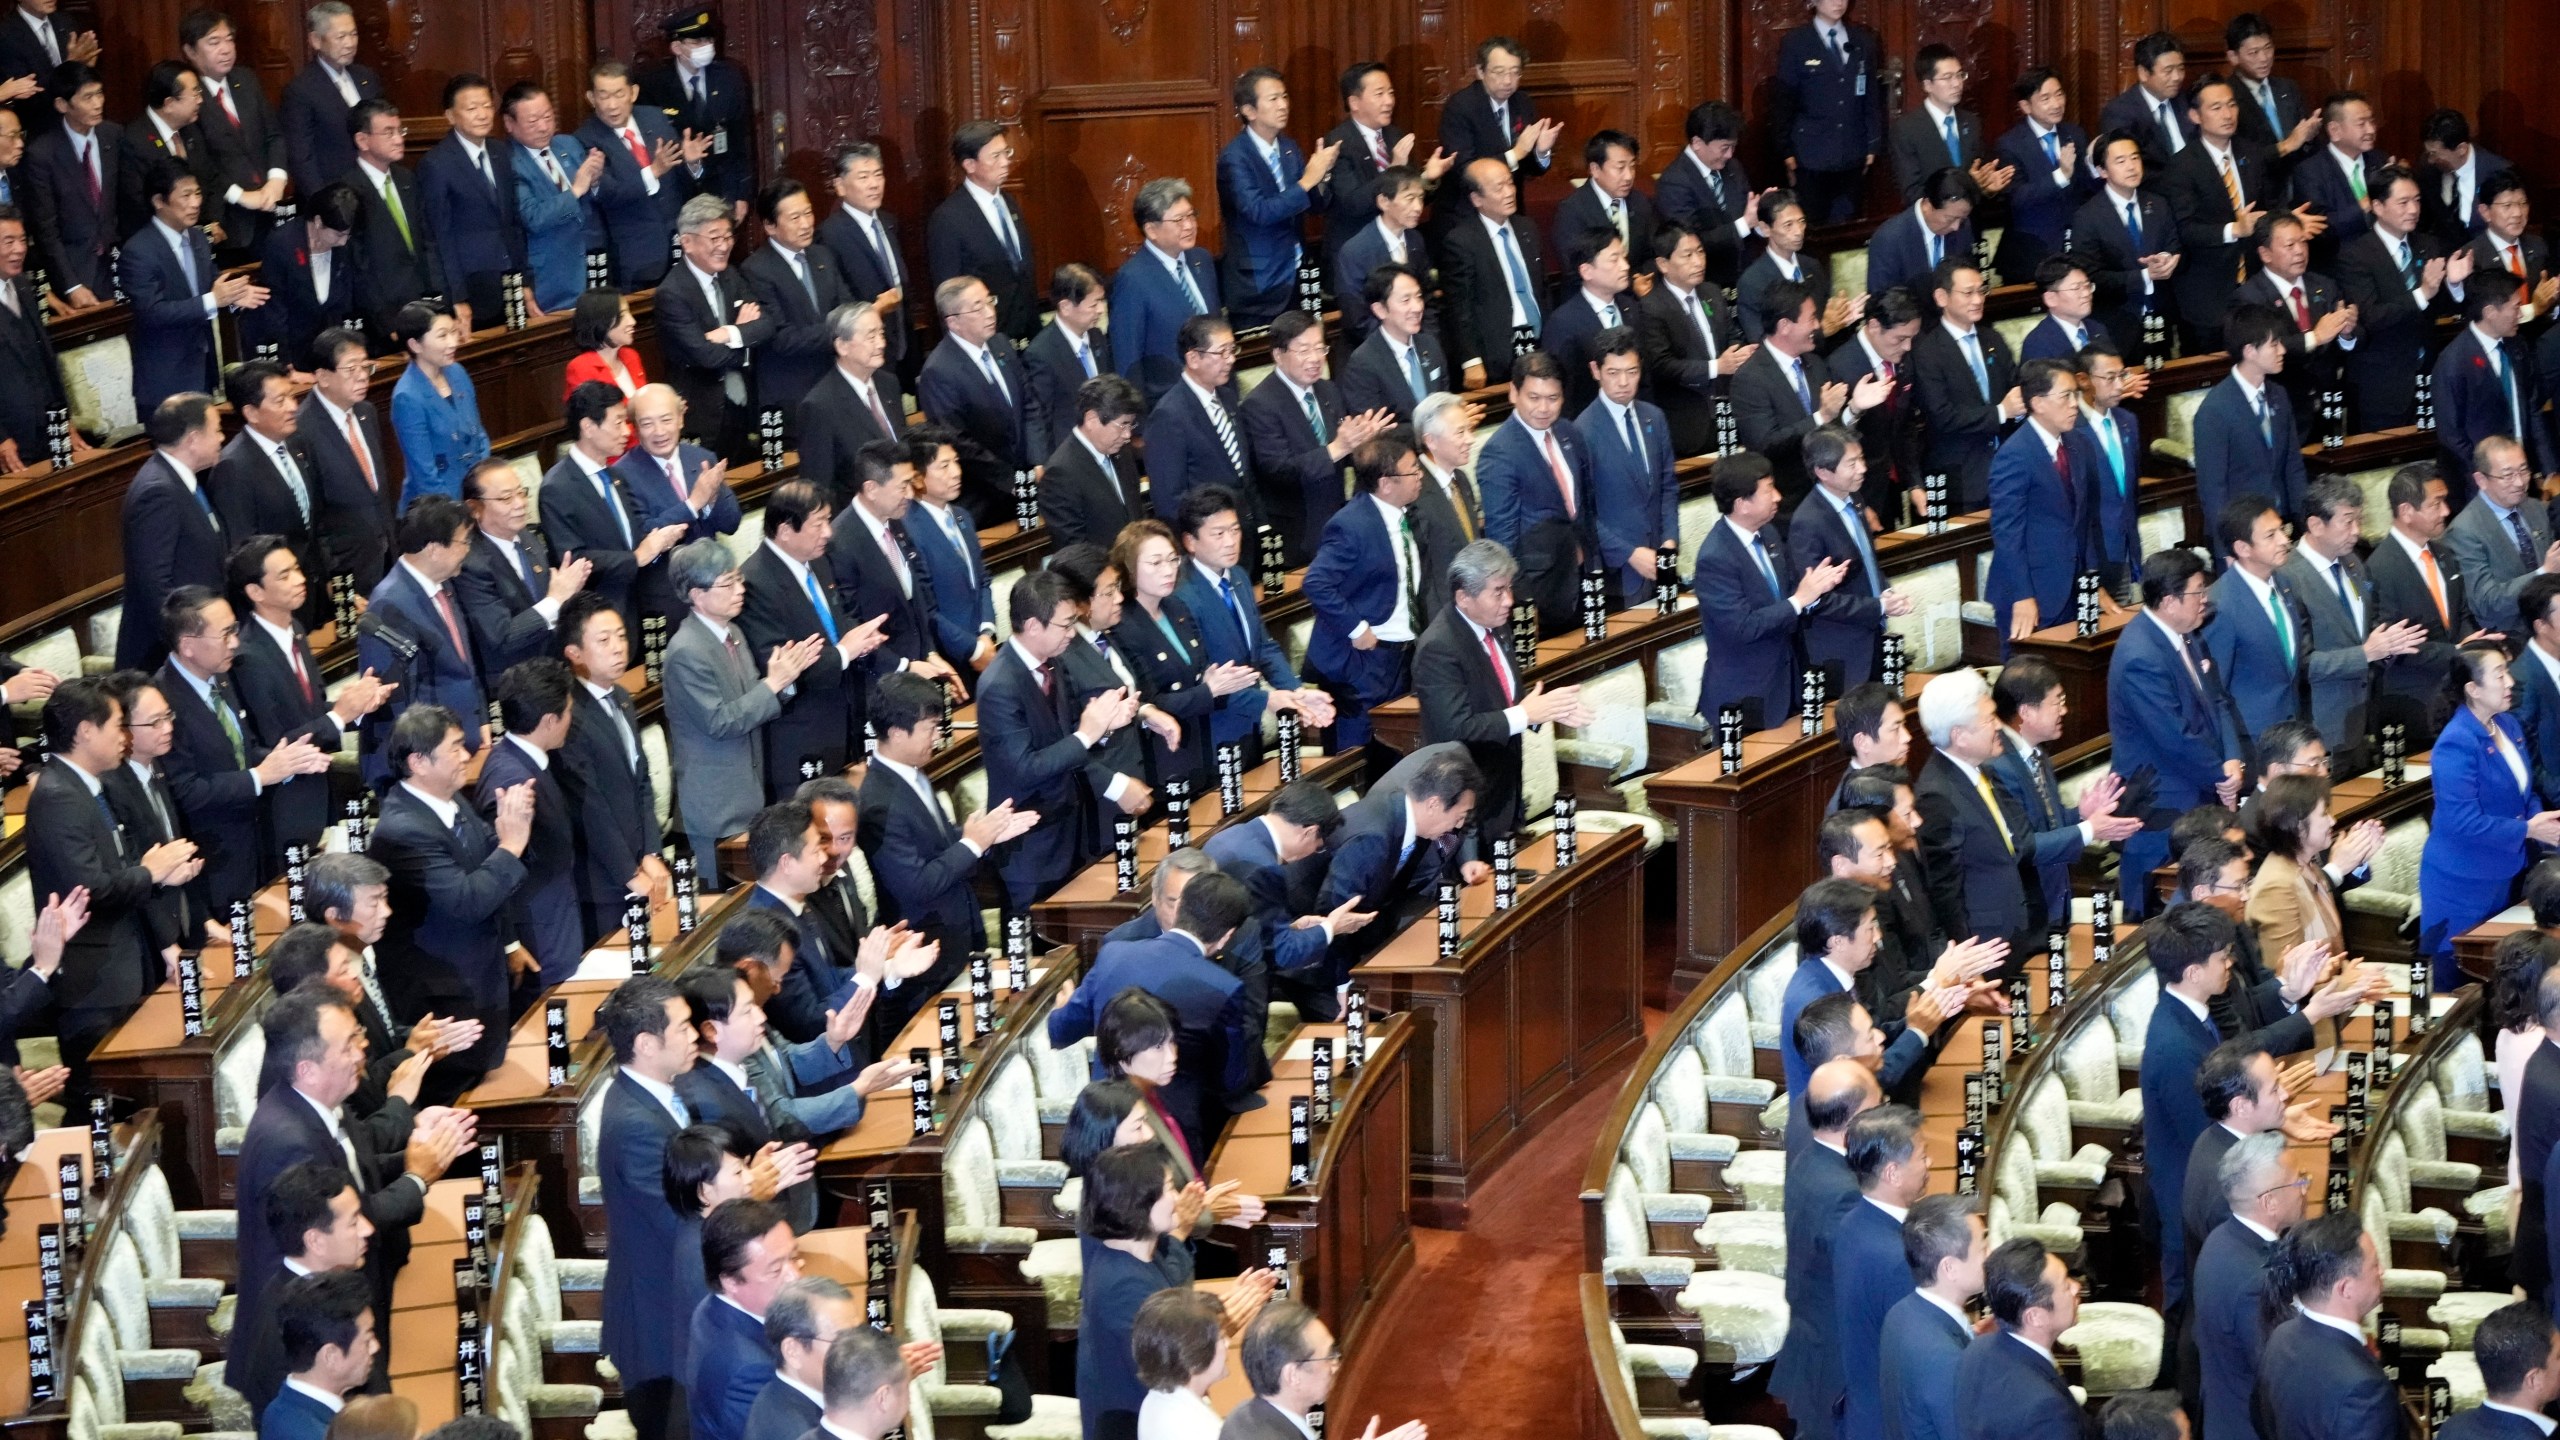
(1982, 783)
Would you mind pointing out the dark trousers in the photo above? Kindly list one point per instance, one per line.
(1830, 196)
(78, 1029)
(658, 1409)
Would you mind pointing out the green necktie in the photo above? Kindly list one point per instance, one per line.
(399, 216)
(2284, 623)
(2355, 179)
(230, 727)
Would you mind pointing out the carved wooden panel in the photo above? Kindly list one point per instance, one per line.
(1108, 44)
(1089, 168)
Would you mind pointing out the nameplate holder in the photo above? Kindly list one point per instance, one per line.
(68, 1188)
(2387, 1339)
(555, 1041)
(1595, 604)
(511, 300)
(1995, 1059)
(102, 1139)
(870, 740)
(1177, 813)
(1271, 550)
(2084, 604)
(1524, 635)
(1568, 834)
(1230, 777)
(1506, 877)
(2426, 399)
(2020, 1016)
(982, 995)
(920, 1090)
(1933, 497)
(244, 940)
(1728, 427)
(1310, 283)
(635, 929)
(2384, 1014)
(2439, 1402)
(2102, 929)
(1448, 918)
(1729, 738)
(947, 721)
(1968, 1157)
(1026, 500)
(599, 270)
(653, 647)
(1977, 1098)
(1286, 738)
(688, 890)
(2395, 755)
(475, 1238)
(296, 862)
(49, 1270)
(771, 444)
(191, 994)
(493, 1176)
(1809, 702)
(2155, 339)
(2359, 1092)
(57, 436)
(1523, 340)
(2422, 990)
(1124, 854)
(42, 1383)
(1301, 1143)
(357, 826)
(1666, 577)
(1017, 951)
(2057, 979)
(2333, 419)
(2341, 1155)
(1355, 1029)
(1320, 1078)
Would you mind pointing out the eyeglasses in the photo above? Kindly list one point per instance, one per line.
(2298, 1182)
(156, 722)
(2513, 474)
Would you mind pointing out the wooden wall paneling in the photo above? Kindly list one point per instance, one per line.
(1119, 94)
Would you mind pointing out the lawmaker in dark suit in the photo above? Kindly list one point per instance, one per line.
(2040, 530)
(1826, 117)
(2335, 179)
(1924, 1335)
(32, 48)
(1195, 436)
(2461, 186)
(1089, 488)
(1393, 240)
(1264, 193)
(2051, 158)
(2192, 742)
(962, 604)
(2006, 1385)
(2149, 108)
(1400, 363)
(2028, 696)
(1220, 594)
(1493, 115)
(2117, 235)
(711, 328)
(791, 595)
(878, 573)
(1035, 754)
(2316, 1378)
(603, 771)
(2226, 1321)
(1493, 274)
(2392, 276)
(853, 403)
(1212, 1031)
(147, 808)
(1844, 629)
(1160, 642)
(167, 273)
(342, 433)
(979, 388)
(2190, 948)
(923, 866)
(330, 1331)
(2213, 236)
(1706, 190)
(173, 534)
(662, 476)
(2513, 1344)
(1523, 474)
(2417, 578)
(2498, 240)
(1890, 433)
(451, 880)
(297, 260)
(219, 767)
(1934, 134)
(395, 256)
(267, 478)
(1608, 200)
(1600, 301)
(71, 182)
(1071, 349)
(165, 132)
(588, 514)
(1752, 600)
(979, 233)
(319, 100)
(1967, 383)
(1689, 337)
(864, 239)
(32, 373)
(1366, 585)
(2256, 636)
(2246, 443)
(645, 1323)
(2106, 458)
(1368, 143)
(470, 192)
(1295, 438)
(562, 213)
(1819, 1188)
(1633, 490)
(534, 707)
(1869, 1275)
(1971, 829)
(1908, 248)
(637, 197)
(2317, 337)
(1472, 691)
(798, 283)
(2485, 383)
(278, 682)
(1389, 852)
(413, 634)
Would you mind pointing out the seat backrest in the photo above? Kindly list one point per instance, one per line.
(2046, 1120)
(2130, 1007)
(1723, 1038)
(2088, 1063)
(151, 1219)
(1698, 515)
(1538, 775)
(1002, 585)
(104, 626)
(1764, 983)
(1680, 1088)
(1622, 1224)
(120, 1291)
(1011, 1109)
(235, 1076)
(2395, 865)
(590, 1122)
(2162, 529)
(2421, 1126)
(2013, 331)
(1056, 1074)
(17, 912)
(2376, 485)
(662, 772)
(538, 1268)
(2180, 429)
(97, 1365)
(97, 380)
(1678, 671)
(2389, 1176)
(1647, 1150)
(1849, 271)
(742, 542)
(2462, 1076)
(54, 650)
(2016, 1181)
(969, 1195)
(922, 1320)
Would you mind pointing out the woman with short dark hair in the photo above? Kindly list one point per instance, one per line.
(1180, 1345)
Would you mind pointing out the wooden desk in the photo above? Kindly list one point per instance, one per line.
(422, 1326)
(1634, 637)
(1746, 840)
(2083, 664)
(1090, 905)
(32, 1201)
(1539, 1001)
(1347, 1237)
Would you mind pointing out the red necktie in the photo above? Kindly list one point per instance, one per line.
(2062, 465)
(452, 624)
(684, 497)
(222, 92)
(301, 677)
(2301, 312)
(1378, 147)
(639, 152)
(1043, 673)
(1493, 653)
(2515, 261)
(878, 413)
(1564, 477)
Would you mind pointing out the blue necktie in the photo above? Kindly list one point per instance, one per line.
(1413, 372)
(2338, 576)
(2267, 102)
(1519, 278)
(684, 1112)
(1315, 416)
(1937, 249)
(1768, 568)
(1227, 588)
(114, 831)
(826, 616)
(1804, 390)
(2266, 422)
(2106, 428)
(2133, 225)
(1084, 357)
(2507, 385)
(1857, 524)
(2408, 264)
(1955, 147)
(1973, 357)
(1635, 441)
(622, 522)
(2052, 154)
(1190, 290)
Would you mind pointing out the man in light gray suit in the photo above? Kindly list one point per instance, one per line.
(1290, 1360)
(2503, 536)
(715, 703)
(2337, 598)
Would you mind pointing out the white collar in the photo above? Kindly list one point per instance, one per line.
(736, 1072)
(1270, 148)
(1109, 467)
(702, 277)
(2541, 1422)
(1954, 1311)
(1747, 537)
(2218, 153)
(2550, 663)
(1206, 573)
(283, 635)
(1171, 261)
(2256, 393)
(2333, 1322)
(166, 132)
(2030, 1344)
(600, 692)
(862, 384)
(1394, 234)
(904, 771)
(1867, 347)
(446, 811)
(329, 1115)
(380, 175)
(1937, 116)
(659, 1091)
(1207, 397)
(139, 767)
(1029, 661)
(474, 148)
(177, 238)
(878, 527)
(80, 770)
(339, 415)
(1412, 832)
(2346, 162)
(2194, 1007)
(799, 568)
(335, 1403)
(1597, 300)
(2491, 344)
(1898, 1212)
(719, 628)
(2415, 549)
(1950, 327)
(1618, 413)
(2052, 442)
(540, 757)
(1492, 226)
(2261, 1231)
(987, 199)
(2260, 588)
(1848, 982)
(1392, 513)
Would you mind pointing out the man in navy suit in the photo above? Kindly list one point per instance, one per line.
(1167, 282)
(1820, 1188)
(1843, 630)
(2519, 1372)
(2170, 713)
(1935, 134)
(2271, 110)
(1889, 1158)
(1214, 1033)
(2315, 1374)
(1492, 115)
(1389, 853)
(923, 866)
(651, 1031)
(1752, 600)
(1691, 338)
(1194, 435)
(2045, 151)
(1967, 383)
(1035, 754)
(1924, 1335)
(328, 1341)
(1493, 273)
(670, 482)
(2031, 704)
(1299, 430)
(1396, 239)
(798, 283)
(603, 772)
(1597, 258)
(2006, 1385)
(1089, 488)
(320, 97)
(1973, 832)
(470, 190)
(2040, 531)
(791, 595)
(749, 1253)
(169, 279)
(1072, 348)
(1280, 858)
(1827, 110)
(2338, 181)
(414, 634)
(1366, 584)
(173, 533)
(510, 586)
(2213, 229)
(2322, 328)
(1220, 594)
(2068, 294)
(945, 536)
(1632, 485)
(803, 1325)
(978, 233)
(71, 178)
(1908, 248)
(855, 402)
(587, 512)
(787, 853)
(219, 766)
(1706, 190)
(535, 710)
(2400, 281)
(649, 172)
(452, 873)
(864, 239)
(1784, 390)
(2190, 947)
(558, 195)
(2258, 637)
(1368, 142)
(979, 388)
(2460, 193)
(342, 433)
(1539, 498)
(2106, 458)
(1399, 363)
(2484, 380)
(2126, 239)
(314, 1218)
(2262, 1191)
(2245, 439)
(1265, 185)
(878, 572)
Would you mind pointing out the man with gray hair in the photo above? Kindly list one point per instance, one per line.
(2266, 1193)
(980, 389)
(1290, 1360)
(855, 403)
(801, 1325)
(313, 114)
(1970, 829)
(1168, 281)
(1471, 689)
(716, 704)
(1448, 514)
(351, 894)
(864, 238)
(709, 325)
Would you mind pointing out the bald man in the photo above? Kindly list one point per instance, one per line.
(673, 483)
(1819, 1190)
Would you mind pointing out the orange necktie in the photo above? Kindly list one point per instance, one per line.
(2515, 261)
(364, 462)
(1564, 477)
(2435, 587)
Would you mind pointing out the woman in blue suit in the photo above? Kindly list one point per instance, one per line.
(434, 409)
(2484, 810)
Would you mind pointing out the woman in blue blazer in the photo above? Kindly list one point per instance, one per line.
(434, 409)
(2484, 810)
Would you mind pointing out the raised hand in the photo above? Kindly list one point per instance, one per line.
(998, 823)
(61, 919)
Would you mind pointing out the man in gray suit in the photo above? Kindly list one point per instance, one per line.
(2337, 598)
(716, 705)
(1290, 1359)
(2503, 536)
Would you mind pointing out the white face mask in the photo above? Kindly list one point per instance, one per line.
(698, 55)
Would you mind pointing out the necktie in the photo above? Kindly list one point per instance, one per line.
(924, 787)
(2355, 179)
(1982, 786)
(2524, 542)
(481, 159)
(187, 263)
(1715, 187)
(1227, 592)
(399, 213)
(1190, 289)
(52, 46)
(1378, 147)
(1804, 389)
(364, 458)
(2079, 337)
(1937, 249)
(551, 168)
(205, 504)
(2408, 264)
(639, 152)
(2133, 225)
(890, 547)
(230, 724)
(1501, 672)
(1315, 414)
(1004, 231)
(684, 1112)
(737, 660)
(2346, 598)
(2062, 468)
(1618, 218)
(1278, 179)
(1768, 567)
(2507, 385)
(452, 622)
(1043, 674)
(524, 565)
(177, 145)
(1410, 562)
(995, 377)
(1973, 358)
(1608, 314)
(2231, 183)
(2301, 310)
(871, 394)
(800, 267)
(2515, 261)
(2106, 431)
(2435, 585)
(89, 169)
(1084, 356)
(293, 481)
(675, 481)
(2266, 420)
(1635, 440)
(880, 246)
(1564, 477)
(613, 506)
(1857, 526)
(1519, 278)
(1463, 503)
(301, 672)
(1831, 39)
(818, 602)
(1502, 121)
(614, 700)
(2280, 613)
(1955, 147)
(115, 831)
(2170, 134)
(2267, 102)
(1412, 372)
(959, 547)
(2052, 150)
(697, 94)
(1226, 429)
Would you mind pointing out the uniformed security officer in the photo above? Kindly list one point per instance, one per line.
(708, 95)
(1828, 113)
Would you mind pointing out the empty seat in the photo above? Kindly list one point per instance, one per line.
(235, 1086)
(1053, 1417)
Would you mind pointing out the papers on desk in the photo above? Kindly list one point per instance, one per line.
(603, 964)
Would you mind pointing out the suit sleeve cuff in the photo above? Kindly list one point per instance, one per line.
(1517, 718)
(1119, 786)
(548, 609)
(231, 196)
(2088, 832)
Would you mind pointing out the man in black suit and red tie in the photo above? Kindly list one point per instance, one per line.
(979, 233)
(1470, 689)
(219, 766)
(878, 571)
(240, 126)
(27, 360)
(1493, 116)
(1889, 434)
(864, 239)
(278, 681)
(342, 433)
